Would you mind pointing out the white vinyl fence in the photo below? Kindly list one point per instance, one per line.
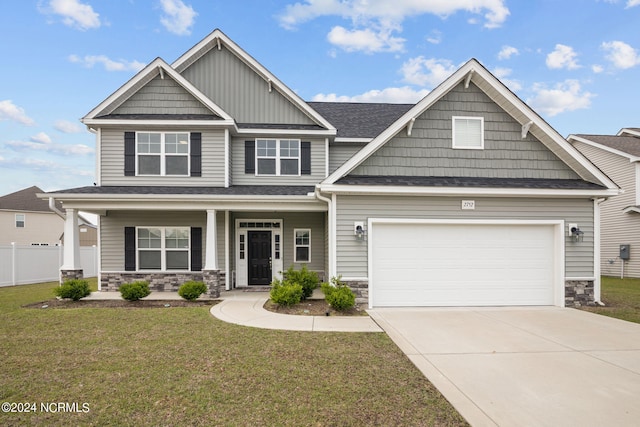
(21, 265)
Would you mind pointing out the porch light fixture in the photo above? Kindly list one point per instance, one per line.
(576, 234)
(358, 230)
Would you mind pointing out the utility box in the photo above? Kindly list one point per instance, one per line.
(625, 252)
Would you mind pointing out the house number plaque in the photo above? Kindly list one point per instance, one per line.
(468, 204)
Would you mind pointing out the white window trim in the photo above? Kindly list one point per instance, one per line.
(163, 155)
(296, 245)
(278, 157)
(453, 133)
(163, 249)
(24, 220)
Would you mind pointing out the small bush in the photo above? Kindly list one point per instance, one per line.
(134, 291)
(338, 295)
(192, 290)
(74, 289)
(307, 279)
(285, 292)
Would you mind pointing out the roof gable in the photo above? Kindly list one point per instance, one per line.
(623, 144)
(26, 200)
(246, 89)
(142, 85)
(528, 120)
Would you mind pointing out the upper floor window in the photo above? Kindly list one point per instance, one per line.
(468, 133)
(20, 220)
(278, 157)
(162, 153)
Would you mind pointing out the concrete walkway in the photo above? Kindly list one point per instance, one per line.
(246, 308)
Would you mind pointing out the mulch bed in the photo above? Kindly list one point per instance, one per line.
(65, 303)
(314, 307)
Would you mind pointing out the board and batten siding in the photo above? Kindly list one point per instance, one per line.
(340, 152)
(239, 91)
(241, 178)
(352, 253)
(290, 221)
(428, 151)
(162, 96)
(618, 228)
(112, 160)
(112, 232)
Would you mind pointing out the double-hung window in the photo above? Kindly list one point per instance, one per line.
(163, 248)
(278, 157)
(302, 245)
(162, 153)
(20, 220)
(468, 133)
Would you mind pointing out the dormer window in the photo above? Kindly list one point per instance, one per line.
(468, 133)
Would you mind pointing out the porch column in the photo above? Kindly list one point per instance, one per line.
(211, 251)
(71, 268)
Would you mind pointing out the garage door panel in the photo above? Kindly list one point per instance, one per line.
(462, 264)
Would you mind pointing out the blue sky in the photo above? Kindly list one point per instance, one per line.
(577, 63)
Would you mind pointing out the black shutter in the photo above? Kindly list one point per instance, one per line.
(130, 249)
(196, 154)
(129, 154)
(196, 248)
(305, 158)
(250, 157)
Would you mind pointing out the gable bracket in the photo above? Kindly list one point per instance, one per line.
(161, 72)
(269, 82)
(525, 129)
(219, 44)
(410, 126)
(467, 80)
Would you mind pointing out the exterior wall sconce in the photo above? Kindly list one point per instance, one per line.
(576, 234)
(358, 230)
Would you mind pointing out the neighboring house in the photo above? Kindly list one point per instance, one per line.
(619, 157)
(27, 220)
(212, 169)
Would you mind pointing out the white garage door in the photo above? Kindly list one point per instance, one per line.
(418, 264)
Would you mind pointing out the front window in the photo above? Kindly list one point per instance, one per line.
(20, 220)
(163, 248)
(468, 133)
(278, 156)
(162, 153)
(302, 245)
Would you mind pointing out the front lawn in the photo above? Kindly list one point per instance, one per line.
(621, 298)
(181, 366)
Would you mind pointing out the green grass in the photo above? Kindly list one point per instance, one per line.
(621, 298)
(181, 366)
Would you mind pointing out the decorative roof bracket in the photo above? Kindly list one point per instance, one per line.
(525, 128)
(467, 80)
(161, 72)
(410, 126)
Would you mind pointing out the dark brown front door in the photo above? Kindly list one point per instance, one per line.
(259, 257)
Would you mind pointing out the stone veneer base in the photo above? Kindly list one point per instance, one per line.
(164, 282)
(71, 275)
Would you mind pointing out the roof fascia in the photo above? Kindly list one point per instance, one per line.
(354, 140)
(631, 209)
(258, 132)
(474, 71)
(461, 191)
(217, 39)
(157, 66)
(603, 147)
(626, 131)
(164, 123)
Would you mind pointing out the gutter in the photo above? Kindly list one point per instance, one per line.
(52, 206)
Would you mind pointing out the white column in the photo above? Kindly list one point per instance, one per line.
(211, 250)
(227, 249)
(71, 241)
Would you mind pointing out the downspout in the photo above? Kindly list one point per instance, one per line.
(330, 233)
(597, 251)
(52, 206)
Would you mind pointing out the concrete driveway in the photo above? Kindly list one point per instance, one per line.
(541, 366)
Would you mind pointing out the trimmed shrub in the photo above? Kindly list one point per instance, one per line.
(307, 279)
(191, 290)
(74, 289)
(134, 291)
(285, 292)
(338, 294)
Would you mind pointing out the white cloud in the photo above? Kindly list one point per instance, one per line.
(40, 165)
(503, 75)
(391, 95)
(632, 3)
(621, 54)
(507, 52)
(596, 68)
(178, 17)
(37, 144)
(90, 61)
(75, 14)
(10, 111)
(426, 72)
(65, 126)
(565, 96)
(366, 40)
(563, 57)
(435, 37)
(41, 138)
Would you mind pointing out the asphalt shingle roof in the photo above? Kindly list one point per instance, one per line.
(627, 144)
(26, 200)
(360, 120)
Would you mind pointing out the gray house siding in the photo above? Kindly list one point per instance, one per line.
(112, 160)
(428, 151)
(352, 253)
(162, 96)
(617, 227)
(239, 91)
(340, 152)
(241, 178)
